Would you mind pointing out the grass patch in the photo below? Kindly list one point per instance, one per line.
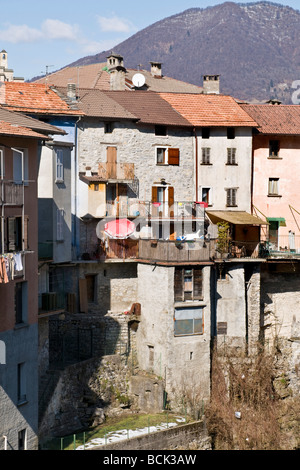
(131, 423)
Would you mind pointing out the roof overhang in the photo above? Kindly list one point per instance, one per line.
(235, 217)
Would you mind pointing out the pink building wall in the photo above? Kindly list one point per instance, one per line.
(285, 167)
(7, 298)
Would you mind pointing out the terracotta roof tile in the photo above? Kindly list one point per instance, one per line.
(96, 76)
(22, 120)
(275, 119)
(9, 129)
(95, 103)
(203, 110)
(33, 98)
(149, 107)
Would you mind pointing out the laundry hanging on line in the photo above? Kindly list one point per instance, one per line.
(10, 264)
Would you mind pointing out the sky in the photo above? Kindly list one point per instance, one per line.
(44, 35)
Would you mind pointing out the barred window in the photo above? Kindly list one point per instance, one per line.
(231, 200)
(231, 156)
(205, 156)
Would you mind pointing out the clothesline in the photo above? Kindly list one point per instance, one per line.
(10, 264)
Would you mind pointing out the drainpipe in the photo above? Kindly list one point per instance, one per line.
(196, 164)
(75, 189)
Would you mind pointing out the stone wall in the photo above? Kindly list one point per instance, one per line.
(187, 437)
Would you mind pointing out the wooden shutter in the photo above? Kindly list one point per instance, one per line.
(25, 234)
(111, 162)
(171, 200)
(154, 193)
(198, 278)
(173, 157)
(11, 234)
(178, 284)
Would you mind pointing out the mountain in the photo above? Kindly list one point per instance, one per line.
(255, 48)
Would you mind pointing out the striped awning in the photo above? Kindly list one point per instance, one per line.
(235, 217)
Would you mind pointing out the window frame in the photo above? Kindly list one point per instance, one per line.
(60, 217)
(59, 165)
(20, 165)
(181, 293)
(206, 156)
(273, 187)
(21, 302)
(209, 192)
(2, 163)
(171, 156)
(231, 156)
(231, 197)
(193, 317)
(274, 143)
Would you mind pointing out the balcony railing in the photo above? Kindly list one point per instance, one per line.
(11, 193)
(127, 207)
(118, 171)
(175, 251)
(284, 246)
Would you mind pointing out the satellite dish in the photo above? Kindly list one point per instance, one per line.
(138, 80)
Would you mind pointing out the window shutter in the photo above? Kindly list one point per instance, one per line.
(11, 234)
(173, 157)
(178, 284)
(154, 193)
(198, 292)
(25, 234)
(171, 200)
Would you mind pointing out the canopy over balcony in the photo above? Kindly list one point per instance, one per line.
(235, 217)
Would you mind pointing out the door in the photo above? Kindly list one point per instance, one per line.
(273, 234)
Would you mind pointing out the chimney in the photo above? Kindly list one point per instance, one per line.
(117, 71)
(71, 93)
(156, 70)
(211, 84)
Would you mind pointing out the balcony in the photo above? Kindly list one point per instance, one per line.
(131, 207)
(116, 172)
(236, 249)
(11, 193)
(170, 251)
(285, 246)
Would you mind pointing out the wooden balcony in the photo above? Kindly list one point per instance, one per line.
(170, 251)
(116, 172)
(11, 193)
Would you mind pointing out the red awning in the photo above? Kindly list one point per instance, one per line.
(119, 228)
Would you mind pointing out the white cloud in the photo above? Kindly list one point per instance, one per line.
(115, 24)
(56, 29)
(22, 33)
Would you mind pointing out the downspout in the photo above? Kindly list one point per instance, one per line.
(75, 189)
(196, 164)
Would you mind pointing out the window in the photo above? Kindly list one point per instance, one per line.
(188, 321)
(21, 382)
(160, 130)
(206, 196)
(20, 166)
(21, 302)
(14, 234)
(2, 168)
(59, 165)
(230, 133)
(273, 188)
(22, 440)
(205, 133)
(167, 156)
(60, 225)
(231, 156)
(231, 197)
(108, 127)
(188, 284)
(205, 156)
(274, 149)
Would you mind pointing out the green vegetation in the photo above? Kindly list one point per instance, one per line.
(131, 422)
